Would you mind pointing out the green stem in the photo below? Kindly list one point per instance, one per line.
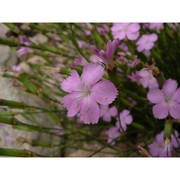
(168, 128)
(18, 153)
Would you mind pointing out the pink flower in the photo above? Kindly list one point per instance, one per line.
(125, 119)
(22, 51)
(101, 30)
(134, 77)
(87, 92)
(157, 146)
(130, 63)
(161, 148)
(16, 68)
(24, 40)
(156, 26)
(87, 32)
(106, 113)
(147, 79)
(123, 30)
(79, 61)
(167, 100)
(112, 133)
(123, 46)
(135, 62)
(110, 50)
(146, 42)
(82, 44)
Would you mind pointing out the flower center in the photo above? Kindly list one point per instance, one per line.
(168, 100)
(86, 91)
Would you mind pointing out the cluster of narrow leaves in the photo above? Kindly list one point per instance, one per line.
(108, 88)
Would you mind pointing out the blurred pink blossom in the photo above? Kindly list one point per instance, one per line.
(22, 51)
(146, 42)
(134, 77)
(87, 93)
(123, 46)
(106, 113)
(125, 119)
(161, 148)
(24, 40)
(112, 133)
(147, 80)
(16, 68)
(107, 55)
(79, 61)
(156, 26)
(125, 30)
(167, 100)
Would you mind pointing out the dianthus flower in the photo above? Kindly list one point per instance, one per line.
(146, 79)
(167, 100)
(107, 55)
(156, 26)
(106, 113)
(162, 148)
(87, 93)
(123, 30)
(146, 42)
(22, 51)
(112, 133)
(125, 119)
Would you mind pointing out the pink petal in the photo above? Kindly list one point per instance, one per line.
(148, 45)
(124, 114)
(104, 92)
(144, 73)
(155, 96)
(140, 41)
(107, 117)
(160, 111)
(120, 35)
(154, 37)
(169, 87)
(155, 149)
(153, 83)
(174, 140)
(92, 73)
(128, 119)
(175, 111)
(123, 126)
(111, 48)
(72, 103)
(134, 27)
(72, 83)
(144, 82)
(160, 138)
(176, 96)
(112, 133)
(140, 48)
(103, 110)
(132, 36)
(113, 111)
(90, 111)
(147, 52)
